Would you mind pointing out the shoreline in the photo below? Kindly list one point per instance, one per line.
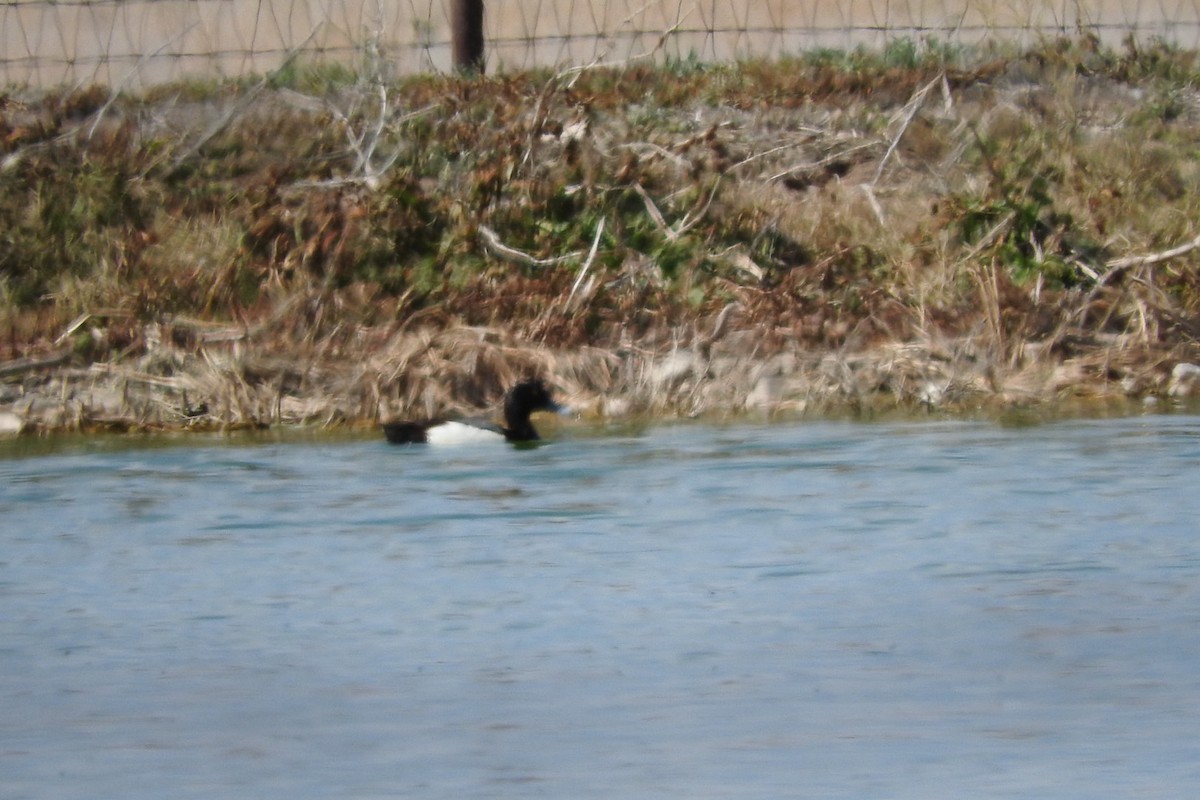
(222, 382)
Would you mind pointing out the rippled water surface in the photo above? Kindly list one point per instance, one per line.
(824, 610)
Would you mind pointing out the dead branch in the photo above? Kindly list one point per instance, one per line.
(539, 111)
(120, 87)
(24, 365)
(498, 248)
(821, 162)
(913, 106)
(1118, 264)
(587, 264)
(689, 220)
(241, 105)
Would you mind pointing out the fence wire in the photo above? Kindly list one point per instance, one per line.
(143, 42)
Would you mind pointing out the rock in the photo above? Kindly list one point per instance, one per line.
(674, 369)
(10, 424)
(1185, 380)
(767, 392)
(615, 407)
(931, 394)
(771, 383)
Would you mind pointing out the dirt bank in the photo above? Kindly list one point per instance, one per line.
(918, 228)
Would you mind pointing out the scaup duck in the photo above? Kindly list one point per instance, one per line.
(519, 402)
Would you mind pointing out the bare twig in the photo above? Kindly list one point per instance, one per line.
(241, 105)
(873, 201)
(821, 162)
(75, 325)
(1118, 264)
(659, 150)
(658, 45)
(587, 264)
(913, 106)
(365, 173)
(498, 248)
(23, 365)
(219, 125)
(773, 150)
(364, 143)
(539, 111)
(120, 87)
(689, 220)
(990, 236)
(653, 211)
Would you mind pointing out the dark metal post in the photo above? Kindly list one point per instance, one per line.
(466, 25)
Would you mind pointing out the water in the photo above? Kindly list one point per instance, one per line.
(817, 610)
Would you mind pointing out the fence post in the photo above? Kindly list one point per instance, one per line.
(466, 25)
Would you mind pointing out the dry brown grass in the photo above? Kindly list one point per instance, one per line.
(795, 237)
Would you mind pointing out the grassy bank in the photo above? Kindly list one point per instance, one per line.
(919, 226)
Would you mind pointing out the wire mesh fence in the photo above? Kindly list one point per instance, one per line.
(143, 42)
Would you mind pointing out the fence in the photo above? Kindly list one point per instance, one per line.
(135, 43)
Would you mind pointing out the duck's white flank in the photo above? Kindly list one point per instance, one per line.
(460, 433)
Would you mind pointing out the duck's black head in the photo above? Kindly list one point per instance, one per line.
(522, 400)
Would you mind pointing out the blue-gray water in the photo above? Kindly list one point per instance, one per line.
(818, 610)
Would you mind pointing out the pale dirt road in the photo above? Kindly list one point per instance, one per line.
(135, 43)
